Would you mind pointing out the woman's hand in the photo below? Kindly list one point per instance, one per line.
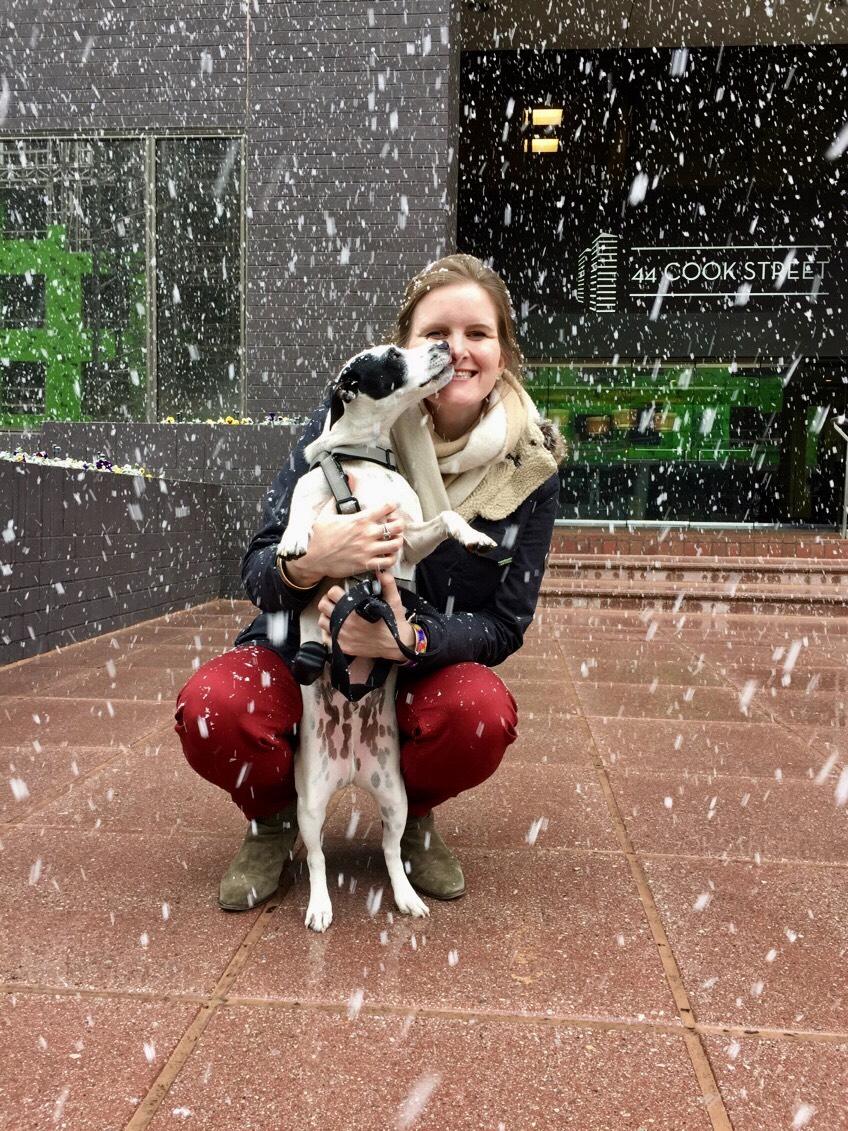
(345, 544)
(358, 637)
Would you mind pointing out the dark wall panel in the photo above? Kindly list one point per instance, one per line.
(90, 552)
(347, 167)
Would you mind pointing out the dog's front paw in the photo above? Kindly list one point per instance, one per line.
(465, 533)
(319, 914)
(292, 545)
(480, 544)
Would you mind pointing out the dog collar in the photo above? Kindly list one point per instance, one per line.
(373, 453)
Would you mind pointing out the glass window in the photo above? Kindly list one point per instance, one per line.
(198, 279)
(72, 280)
(75, 316)
(21, 301)
(699, 443)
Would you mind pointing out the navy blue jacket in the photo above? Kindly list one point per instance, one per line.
(474, 607)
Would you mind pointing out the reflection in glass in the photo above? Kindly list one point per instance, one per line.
(72, 280)
(198, 283)
(698, 443)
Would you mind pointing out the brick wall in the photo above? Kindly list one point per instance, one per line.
(85, 552)
(139, 65)
(349, 157)
(242, 461)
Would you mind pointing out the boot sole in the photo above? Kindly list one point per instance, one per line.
(247, 906)
(445, 898)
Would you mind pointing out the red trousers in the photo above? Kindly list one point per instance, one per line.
(237, 714)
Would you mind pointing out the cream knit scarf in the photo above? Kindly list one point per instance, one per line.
(487, 471)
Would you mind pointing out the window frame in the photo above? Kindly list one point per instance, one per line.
(148, 141)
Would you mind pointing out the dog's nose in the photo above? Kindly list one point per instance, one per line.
(443, 346)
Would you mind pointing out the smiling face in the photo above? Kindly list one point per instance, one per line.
(464, 316)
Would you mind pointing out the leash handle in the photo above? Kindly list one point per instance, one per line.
(361, 600)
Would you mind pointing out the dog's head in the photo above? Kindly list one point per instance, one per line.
(391, 379)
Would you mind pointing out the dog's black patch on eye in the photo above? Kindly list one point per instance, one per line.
(374, 376)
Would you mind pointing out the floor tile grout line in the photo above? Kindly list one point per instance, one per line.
(378, 1008)
(566, 1019)
(814, 1036)
(201, 834)
(717, 775)
(774, 861)
(149, 1105)
(433, 1013)
(702, 1068)
(79, 699)
(151, 1102)
(761, 717)
(338, 839)
(766, 719)
(16, 989)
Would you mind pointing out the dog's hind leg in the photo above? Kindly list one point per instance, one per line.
(313, 794)
(393, 810)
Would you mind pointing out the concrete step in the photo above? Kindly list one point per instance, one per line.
(795, 543)
(627, 569)
(766, 598)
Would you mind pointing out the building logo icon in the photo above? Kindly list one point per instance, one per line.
(597, 274)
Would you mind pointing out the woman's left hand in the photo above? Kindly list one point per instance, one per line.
(359, 637)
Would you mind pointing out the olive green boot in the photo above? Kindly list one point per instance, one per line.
(431, 866)
(254, 874)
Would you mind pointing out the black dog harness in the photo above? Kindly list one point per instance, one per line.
(347, 503)
(363, 598)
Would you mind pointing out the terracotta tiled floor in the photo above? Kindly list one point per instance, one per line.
(654, 934)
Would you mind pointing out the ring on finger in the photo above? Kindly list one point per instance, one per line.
(387, 537)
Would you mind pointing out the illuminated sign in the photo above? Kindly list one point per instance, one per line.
(612, 277)
(709, 271)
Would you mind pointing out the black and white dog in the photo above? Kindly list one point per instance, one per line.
(340, 742)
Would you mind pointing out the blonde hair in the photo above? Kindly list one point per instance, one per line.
(448, 272)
